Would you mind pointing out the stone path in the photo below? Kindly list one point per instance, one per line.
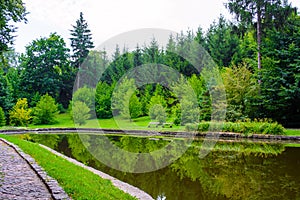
(17, 179)
(21, 178)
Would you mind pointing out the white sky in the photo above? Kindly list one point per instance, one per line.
(109, 18)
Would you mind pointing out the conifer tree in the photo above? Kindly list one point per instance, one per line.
(81, 41)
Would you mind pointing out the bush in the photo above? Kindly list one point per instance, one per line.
(20, 115)
(2, 117)
(45, 111)
(157, 112)
(246, 128)
(87, 96)
(80, 112)
(203, 126)
(191, 127)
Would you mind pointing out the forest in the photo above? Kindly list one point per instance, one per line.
(257, 54)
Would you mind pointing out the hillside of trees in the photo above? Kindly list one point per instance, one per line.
(258, 56)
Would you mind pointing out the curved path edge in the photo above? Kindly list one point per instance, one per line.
(52, 185)
(133, 191)
(151, 133)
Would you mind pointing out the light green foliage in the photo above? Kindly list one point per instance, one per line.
(204, 100)
(145, 96)
(188, 110)
(86, 95)
(121, 97)
(158, 112)
(247, 50)
(2, 117)
(241, 88)
(244, 127)
(157, 99)
(103, 100)
(158, 105)
(45, 111)
(80, 112)
(135, 107)
(20, 115)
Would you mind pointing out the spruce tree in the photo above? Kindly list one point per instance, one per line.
(81, 41)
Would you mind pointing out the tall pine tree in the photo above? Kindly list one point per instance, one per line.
(81, 41)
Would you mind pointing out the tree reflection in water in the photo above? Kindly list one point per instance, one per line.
(233, 170)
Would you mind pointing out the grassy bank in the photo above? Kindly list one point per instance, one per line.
(64, 121)
(78, 183)
(293, 132)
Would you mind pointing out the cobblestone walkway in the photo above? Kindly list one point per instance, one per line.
(17, 180)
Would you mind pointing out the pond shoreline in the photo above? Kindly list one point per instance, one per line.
(127, 188)
(183, 134)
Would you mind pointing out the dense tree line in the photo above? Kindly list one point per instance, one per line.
(258, 56)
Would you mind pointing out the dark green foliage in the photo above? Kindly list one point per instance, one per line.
(46, 69)
(222, 42)
(120, 64)
(2, 117)
(81, 41)
(6, 100)
(45, 110)
(10, 13)
(281, 81)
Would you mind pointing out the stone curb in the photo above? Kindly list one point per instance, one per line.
(127, 188)
(152, 133)
(57, 193)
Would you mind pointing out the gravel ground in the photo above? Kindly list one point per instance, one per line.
(17, 180)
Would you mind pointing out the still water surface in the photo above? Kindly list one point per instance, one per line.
(233, 170)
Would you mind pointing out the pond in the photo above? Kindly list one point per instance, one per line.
(232, 170)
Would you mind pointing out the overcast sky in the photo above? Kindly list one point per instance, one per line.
(109, 18)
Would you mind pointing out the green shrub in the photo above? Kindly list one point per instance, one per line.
(203, 126)
(246, 128)
(2, 117)
(191, 127)
(86, 95)
(157, 112)
(80, 112)
(45, 111)
(20, 115)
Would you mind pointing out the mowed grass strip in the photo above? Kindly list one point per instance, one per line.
(293, 132)
(78, 183)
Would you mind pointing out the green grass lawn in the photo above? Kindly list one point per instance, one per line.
(65, 121)
(78, 183)
(293, 132)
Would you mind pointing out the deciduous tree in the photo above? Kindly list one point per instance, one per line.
(20, 115)
(45, 110)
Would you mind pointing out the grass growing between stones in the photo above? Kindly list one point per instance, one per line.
(78, 183)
